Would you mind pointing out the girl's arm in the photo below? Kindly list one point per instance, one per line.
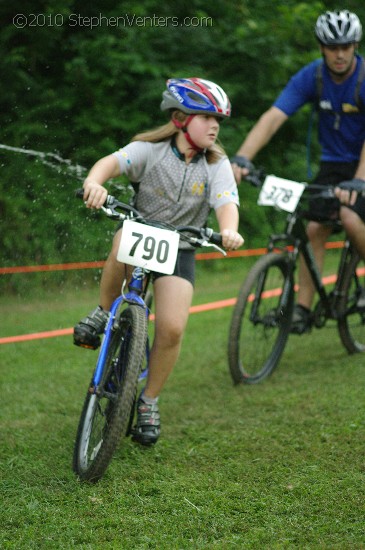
(227, 216)
(104, 169)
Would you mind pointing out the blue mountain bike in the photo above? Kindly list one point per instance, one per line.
(110, 403)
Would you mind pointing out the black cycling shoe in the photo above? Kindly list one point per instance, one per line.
(87, 331)
(361, 300)
(301, 320)
(148, 427)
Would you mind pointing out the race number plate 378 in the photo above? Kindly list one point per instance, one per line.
(282, 193)
(149, 247)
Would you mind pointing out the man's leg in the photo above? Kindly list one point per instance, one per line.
(355, 229)
(318, 235)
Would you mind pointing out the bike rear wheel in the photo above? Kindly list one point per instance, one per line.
(351, 324)
(261, 320)
(107, 409)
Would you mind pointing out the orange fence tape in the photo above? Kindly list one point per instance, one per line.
(194, 309)
(98, 264)
(67, 331)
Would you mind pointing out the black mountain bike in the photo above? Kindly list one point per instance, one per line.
(261, 319)
(109, 407)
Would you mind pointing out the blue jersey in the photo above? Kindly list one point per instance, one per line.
(341, 128)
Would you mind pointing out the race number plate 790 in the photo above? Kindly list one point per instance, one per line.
(150, 247)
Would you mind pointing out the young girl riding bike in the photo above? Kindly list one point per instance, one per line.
(181, 174)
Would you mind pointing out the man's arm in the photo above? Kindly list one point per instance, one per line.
(267, 125)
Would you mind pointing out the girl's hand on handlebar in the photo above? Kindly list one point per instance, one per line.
(94, 194)
(231, 240)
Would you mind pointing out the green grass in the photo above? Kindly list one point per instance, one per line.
(276, 465)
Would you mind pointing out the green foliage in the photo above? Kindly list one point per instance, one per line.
(82, 79)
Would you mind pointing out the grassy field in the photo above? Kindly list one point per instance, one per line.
(276, 465)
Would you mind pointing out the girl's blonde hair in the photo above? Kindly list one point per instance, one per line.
(162, 133)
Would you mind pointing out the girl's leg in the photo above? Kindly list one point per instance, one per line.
(87, 331)
(173, 297)
(114, 273)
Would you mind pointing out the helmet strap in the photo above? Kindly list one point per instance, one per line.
(184, 127)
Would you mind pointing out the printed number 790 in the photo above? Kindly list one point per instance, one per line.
(151, 247)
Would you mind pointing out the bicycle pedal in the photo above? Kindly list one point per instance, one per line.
(85, 346)
(86, 340)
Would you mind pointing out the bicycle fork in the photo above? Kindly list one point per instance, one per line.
(133, 296)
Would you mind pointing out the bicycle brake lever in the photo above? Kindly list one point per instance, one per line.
(212, 245)
(111, 212)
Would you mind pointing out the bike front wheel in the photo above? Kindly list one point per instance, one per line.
(351, 323)
(107, 409)
(261, 319)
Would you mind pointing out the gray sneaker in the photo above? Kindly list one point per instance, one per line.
(301, 320)
(148, 427)
(87, 331)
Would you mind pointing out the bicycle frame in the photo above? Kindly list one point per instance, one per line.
(297, 238)
(136, 291)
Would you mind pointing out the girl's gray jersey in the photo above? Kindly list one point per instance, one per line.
(172, 191)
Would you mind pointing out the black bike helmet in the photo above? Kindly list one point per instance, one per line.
(338, 27)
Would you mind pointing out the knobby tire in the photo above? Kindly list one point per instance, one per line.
(351, 323)
(261, 319)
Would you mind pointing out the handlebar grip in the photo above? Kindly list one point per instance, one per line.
(356, 184)
(213, 237)
(216, 238)
(242, 162)
(79, 193)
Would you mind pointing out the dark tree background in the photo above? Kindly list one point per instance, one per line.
(77, 83)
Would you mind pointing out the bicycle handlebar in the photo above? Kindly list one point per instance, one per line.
(256, 177)
(203, 236)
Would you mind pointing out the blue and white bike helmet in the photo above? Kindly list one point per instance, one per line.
(338, 27)
(195, 96)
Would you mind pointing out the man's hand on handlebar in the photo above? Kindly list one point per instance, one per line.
(94, 194)
(347, 191)
(241, 167)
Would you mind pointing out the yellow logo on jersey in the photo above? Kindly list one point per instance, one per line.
(348, 108)
(226, 194)
(198, 188)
